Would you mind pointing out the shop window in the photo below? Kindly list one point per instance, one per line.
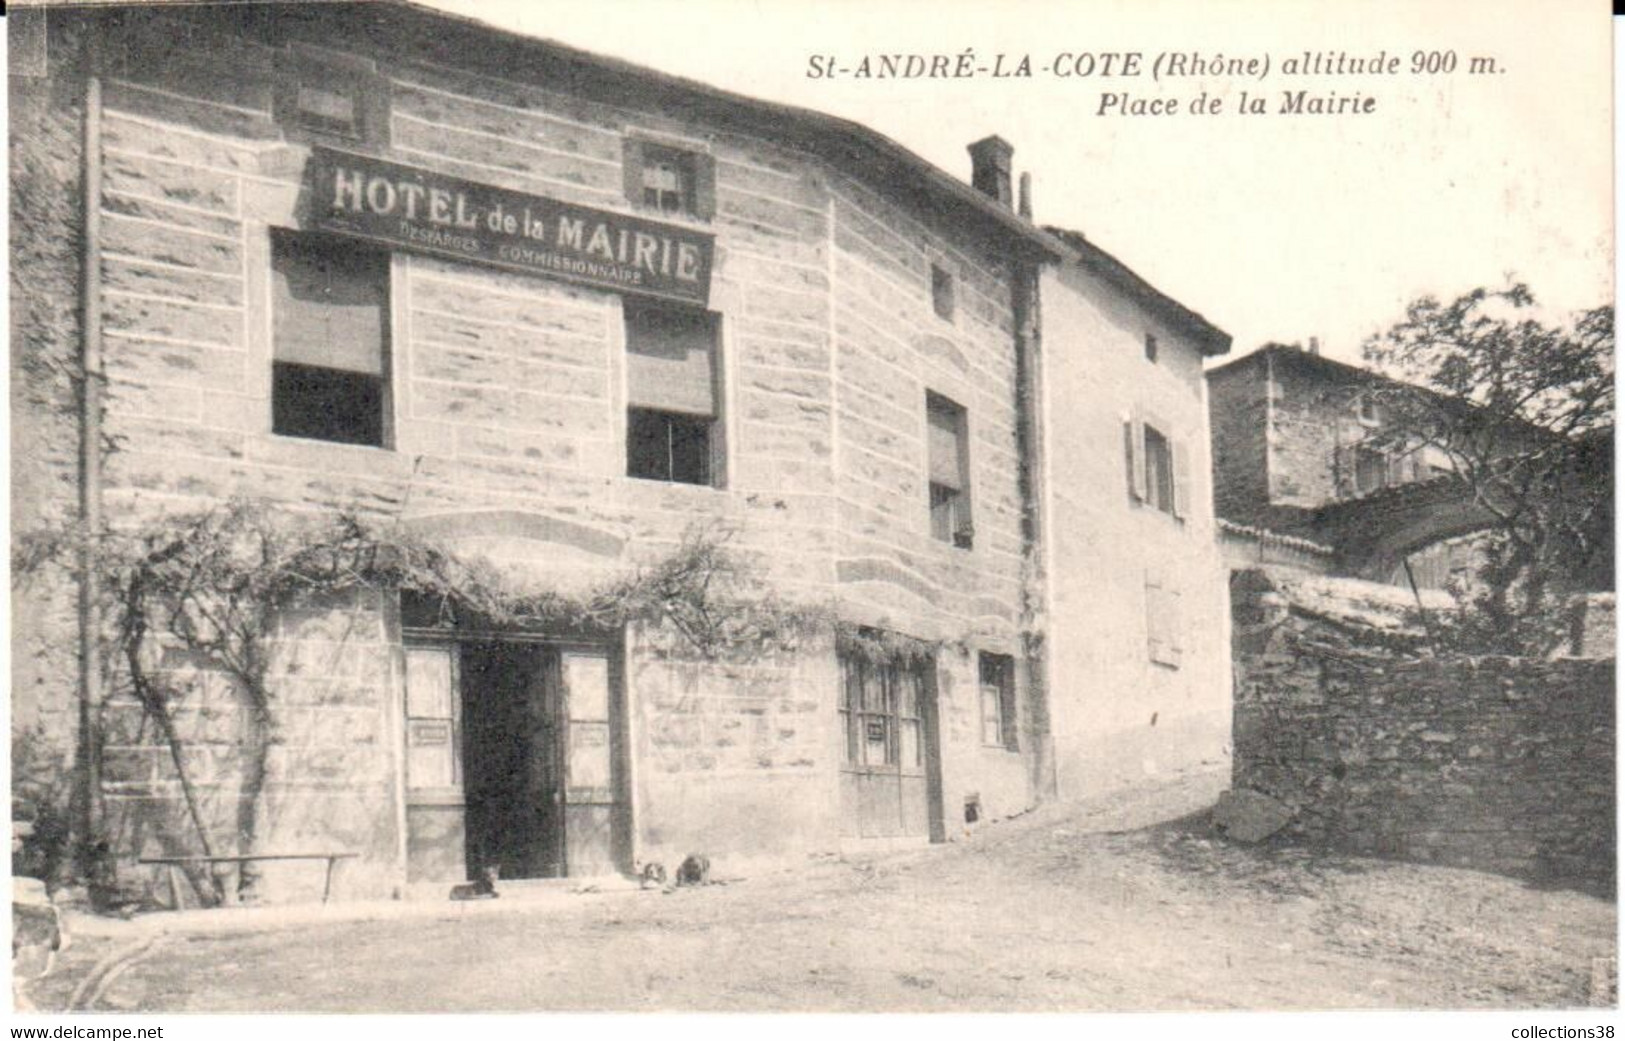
(331, 96)
(942, 293)
(1157, 468)
(1162, 622)
(949, 477)
(998, 684)
(669, 180)
(673, 431)
(330, 340)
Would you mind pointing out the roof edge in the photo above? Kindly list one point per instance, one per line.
(1210, 339)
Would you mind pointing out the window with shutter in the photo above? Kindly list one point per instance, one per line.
(1159, 470)
(949, 471)
(330, 338)
(671, 382)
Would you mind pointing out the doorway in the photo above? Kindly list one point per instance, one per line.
(891, 773)
(537, 775)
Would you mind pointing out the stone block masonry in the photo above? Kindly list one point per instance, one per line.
(1500, 764)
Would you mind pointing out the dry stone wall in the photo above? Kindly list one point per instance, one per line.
(1501, 764)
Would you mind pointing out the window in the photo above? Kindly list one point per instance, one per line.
(672, 431)
(331, 96)
(330, 339)
(1150, 348)
(1365, 406)
(1370, 469)
(881, 713)
(942, 293)
(669, 180)
(998, 682)
(432, 743)
(949, 473)
(1159, 471)
(1157, 468)
(1162, 622)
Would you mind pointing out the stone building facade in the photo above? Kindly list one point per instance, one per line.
(556, 318)
(1298, 452)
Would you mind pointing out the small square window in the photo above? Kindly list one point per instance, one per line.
(331, 96)
(942, 293)
(998, 688)
(1150, 348)
(669, 180)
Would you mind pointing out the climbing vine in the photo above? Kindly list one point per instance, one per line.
(215, 584)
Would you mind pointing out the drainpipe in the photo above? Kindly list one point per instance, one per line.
(1029, 475)
(90, 441)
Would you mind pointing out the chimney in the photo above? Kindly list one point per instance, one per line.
(1314, 345)
(1025, 206)
(990, 168)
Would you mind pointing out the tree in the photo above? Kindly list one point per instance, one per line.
(1524, 411)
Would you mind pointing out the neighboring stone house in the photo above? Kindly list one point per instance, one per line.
(1297, 454)
(554, 309)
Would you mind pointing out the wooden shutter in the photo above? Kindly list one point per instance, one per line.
(1134, 457)
(330, 304)
(1182, 477)
(671, 360)
(632, 169)
(1153, 618)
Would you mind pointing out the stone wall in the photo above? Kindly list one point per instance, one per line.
(1500, 764)
(1238, 398)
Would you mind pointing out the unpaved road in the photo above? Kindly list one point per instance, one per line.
(1075, 909)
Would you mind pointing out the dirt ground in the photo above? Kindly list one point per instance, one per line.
(1080, 908)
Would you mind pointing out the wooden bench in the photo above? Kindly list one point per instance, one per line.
(175, 863)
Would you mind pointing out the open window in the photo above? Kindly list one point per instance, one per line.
(330, 339)
(673, 432)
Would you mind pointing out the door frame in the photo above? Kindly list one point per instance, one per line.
(930, 737)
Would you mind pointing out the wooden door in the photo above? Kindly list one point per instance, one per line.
(888, 749)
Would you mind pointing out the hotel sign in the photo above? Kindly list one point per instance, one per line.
(449, 217)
